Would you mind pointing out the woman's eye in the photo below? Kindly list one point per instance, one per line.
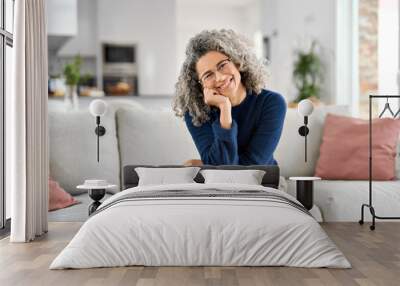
(222, 66)
(207, 76)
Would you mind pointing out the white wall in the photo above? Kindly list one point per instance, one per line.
(196, 16)
(388, 51)
(295, 22)
(61, 17)
(151, 25)
(388, 46)
(346, 80)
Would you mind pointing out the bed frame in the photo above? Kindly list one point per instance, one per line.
(130, 178)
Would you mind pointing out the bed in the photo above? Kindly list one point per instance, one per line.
(201, 224)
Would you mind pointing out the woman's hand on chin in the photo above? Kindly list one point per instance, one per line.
(213, 98)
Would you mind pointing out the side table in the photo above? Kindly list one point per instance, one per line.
(96, 195)
(96, 191)
(305, 194)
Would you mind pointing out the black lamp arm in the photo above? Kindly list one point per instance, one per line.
(100, 131)
(303, 131)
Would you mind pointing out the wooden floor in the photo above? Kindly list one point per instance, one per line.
(375, 257)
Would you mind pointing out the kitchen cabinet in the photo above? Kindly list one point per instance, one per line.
(62, 17)
(62, 22)
(85, 41)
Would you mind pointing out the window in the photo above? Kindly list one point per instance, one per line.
(378, 53)
(6, 44)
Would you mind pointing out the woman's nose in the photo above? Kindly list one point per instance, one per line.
(219, 76)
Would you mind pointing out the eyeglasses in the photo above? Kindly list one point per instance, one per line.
(209, 77)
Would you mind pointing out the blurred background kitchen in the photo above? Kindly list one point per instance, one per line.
(136, 47)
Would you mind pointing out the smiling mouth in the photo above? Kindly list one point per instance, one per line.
(225, 85)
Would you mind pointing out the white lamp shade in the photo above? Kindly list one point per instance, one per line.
(98, 107)
(305, 107)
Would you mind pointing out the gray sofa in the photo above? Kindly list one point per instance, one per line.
(138, 135)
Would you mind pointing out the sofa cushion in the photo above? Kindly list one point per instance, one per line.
(58, 198)
(344, 149)
(153, 137)
(73, 148)
(290, 150)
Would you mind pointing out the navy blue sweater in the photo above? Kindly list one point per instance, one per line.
(256, 128)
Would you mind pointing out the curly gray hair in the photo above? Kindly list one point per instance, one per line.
(189, 94)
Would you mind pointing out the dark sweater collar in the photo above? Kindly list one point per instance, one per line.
(244, 101)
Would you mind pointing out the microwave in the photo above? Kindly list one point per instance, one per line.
(119, 69)
(119, 60)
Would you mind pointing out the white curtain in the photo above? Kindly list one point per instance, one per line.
(26, 124)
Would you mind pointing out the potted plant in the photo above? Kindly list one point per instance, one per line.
(72, 76)
(307, 74)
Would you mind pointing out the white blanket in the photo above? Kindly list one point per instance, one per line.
(183, 231)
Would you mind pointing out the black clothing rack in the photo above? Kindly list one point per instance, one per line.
(370, 204)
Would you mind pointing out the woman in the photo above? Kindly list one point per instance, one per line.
(231, 118)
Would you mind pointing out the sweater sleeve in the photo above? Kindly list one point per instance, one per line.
(263, 142)
(216, 145)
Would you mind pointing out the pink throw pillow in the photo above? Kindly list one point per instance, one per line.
(58, 198)
(344, 149)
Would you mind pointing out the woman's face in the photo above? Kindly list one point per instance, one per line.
(216, 70)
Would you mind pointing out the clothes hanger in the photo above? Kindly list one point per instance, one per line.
(387, 107)
(397, 113)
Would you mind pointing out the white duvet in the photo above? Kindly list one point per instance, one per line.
(200, 231)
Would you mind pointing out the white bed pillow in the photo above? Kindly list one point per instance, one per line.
(248, 177)
(165, 176)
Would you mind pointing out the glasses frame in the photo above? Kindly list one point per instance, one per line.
(229, 60)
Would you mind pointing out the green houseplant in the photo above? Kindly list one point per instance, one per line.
(72, 74)
(307, 74)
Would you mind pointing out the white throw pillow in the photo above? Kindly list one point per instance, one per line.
(165, 176)
(248, 177)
